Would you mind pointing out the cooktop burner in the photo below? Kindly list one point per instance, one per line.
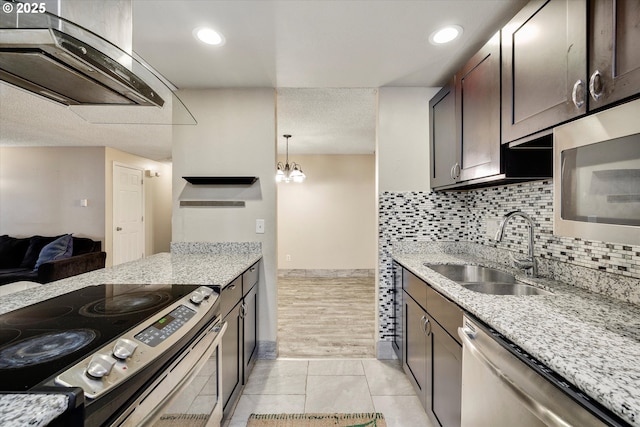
(26, 318)
(38, 341)
(45, 347)
(126, 304)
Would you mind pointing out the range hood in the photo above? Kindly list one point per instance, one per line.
(78, 53)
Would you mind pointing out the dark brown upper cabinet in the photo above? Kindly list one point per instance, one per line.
(614, 64)
(478, 113)
(543, 67)
(444, 142)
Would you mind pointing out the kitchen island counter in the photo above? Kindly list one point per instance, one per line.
(590, 339)
(163, 268)
(218, 269)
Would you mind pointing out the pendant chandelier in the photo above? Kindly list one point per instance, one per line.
(289, 172)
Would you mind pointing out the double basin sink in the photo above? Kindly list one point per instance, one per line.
(486, 280)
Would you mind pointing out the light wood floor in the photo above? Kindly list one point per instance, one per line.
(326, 317)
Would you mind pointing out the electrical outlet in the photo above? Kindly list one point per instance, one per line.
(288, 257)
(259, 226)
(491, 227)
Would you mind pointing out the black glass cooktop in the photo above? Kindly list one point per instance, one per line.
(38, 341)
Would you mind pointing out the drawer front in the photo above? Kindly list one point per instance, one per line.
(445, 312)
(250, 278)
(415, 287)
(230, 295)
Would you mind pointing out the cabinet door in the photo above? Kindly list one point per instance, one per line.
(614, 66)
(444, 151)
(478, 113)
(415, 344)
(543, 61)
(396, 295)
(231, 352)
(446, 374)
(250, 326)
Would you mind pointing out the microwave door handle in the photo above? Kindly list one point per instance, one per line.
(543, 413)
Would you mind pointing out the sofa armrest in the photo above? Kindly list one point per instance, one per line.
(72, 266)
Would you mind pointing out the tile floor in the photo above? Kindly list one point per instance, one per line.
(330, 385)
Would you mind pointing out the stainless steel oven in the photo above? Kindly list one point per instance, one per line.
(597, 176)
(131, 351)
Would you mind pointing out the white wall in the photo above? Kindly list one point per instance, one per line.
(41, 189)
(157, 202)
(329, 221)
(403, 138)
(235, 136)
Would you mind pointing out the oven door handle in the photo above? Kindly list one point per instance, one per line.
(203, 345)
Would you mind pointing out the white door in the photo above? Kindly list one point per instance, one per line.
(128, 236)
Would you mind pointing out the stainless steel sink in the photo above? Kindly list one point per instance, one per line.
(486, 280)
(462, 273)
(506, 289)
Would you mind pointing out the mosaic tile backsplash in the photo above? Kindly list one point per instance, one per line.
(463, 217)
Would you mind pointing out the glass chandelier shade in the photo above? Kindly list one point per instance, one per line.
(289, 172)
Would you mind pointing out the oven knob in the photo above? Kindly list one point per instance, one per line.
(206, 292)
(100, 366)
(197, 297)
(124, 348)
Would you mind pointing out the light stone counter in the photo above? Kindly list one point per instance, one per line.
(590, 339)
(186, 265)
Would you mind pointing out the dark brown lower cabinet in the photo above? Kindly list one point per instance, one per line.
(231, 350)
(239, 307)
(432, 356)
(446, 368)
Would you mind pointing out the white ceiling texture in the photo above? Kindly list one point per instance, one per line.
(326, 58)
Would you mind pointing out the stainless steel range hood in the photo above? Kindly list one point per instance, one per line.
(78, 53)
(62, 68)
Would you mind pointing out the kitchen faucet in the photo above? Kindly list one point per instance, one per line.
(529, 264)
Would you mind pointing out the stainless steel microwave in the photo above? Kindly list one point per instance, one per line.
(596, 175)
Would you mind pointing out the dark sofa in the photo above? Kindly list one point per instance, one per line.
(18, 258)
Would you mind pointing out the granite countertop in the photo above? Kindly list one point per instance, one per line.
(218, 269)
(590, 339)
(164, 268)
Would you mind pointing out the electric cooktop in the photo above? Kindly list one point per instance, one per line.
(38, 341)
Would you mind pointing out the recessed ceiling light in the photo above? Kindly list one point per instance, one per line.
(445, 34)
(209, 36)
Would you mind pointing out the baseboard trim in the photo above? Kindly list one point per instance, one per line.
(326, 273)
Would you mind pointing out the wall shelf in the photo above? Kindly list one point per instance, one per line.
(221, 180)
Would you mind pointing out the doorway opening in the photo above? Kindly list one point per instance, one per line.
(327, 225)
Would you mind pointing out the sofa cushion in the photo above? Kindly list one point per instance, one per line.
(10, 275)
(36, 243)
(12, 251)
(60, 248)
(83, 245)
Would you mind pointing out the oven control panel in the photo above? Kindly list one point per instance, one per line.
(129, 353)
(165, 326)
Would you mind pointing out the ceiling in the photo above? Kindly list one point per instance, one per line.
(326, 57)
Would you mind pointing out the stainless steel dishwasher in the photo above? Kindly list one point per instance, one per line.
(503, 386)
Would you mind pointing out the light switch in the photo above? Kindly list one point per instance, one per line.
(259, 226)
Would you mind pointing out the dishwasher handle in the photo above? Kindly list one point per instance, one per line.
(543, 413)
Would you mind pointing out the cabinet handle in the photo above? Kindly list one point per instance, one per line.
(423, 324)
(427, 323)
(596, 87)
(578, 99)
(455, 171)
(230, 287)
(243, 310)
(252, 269)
